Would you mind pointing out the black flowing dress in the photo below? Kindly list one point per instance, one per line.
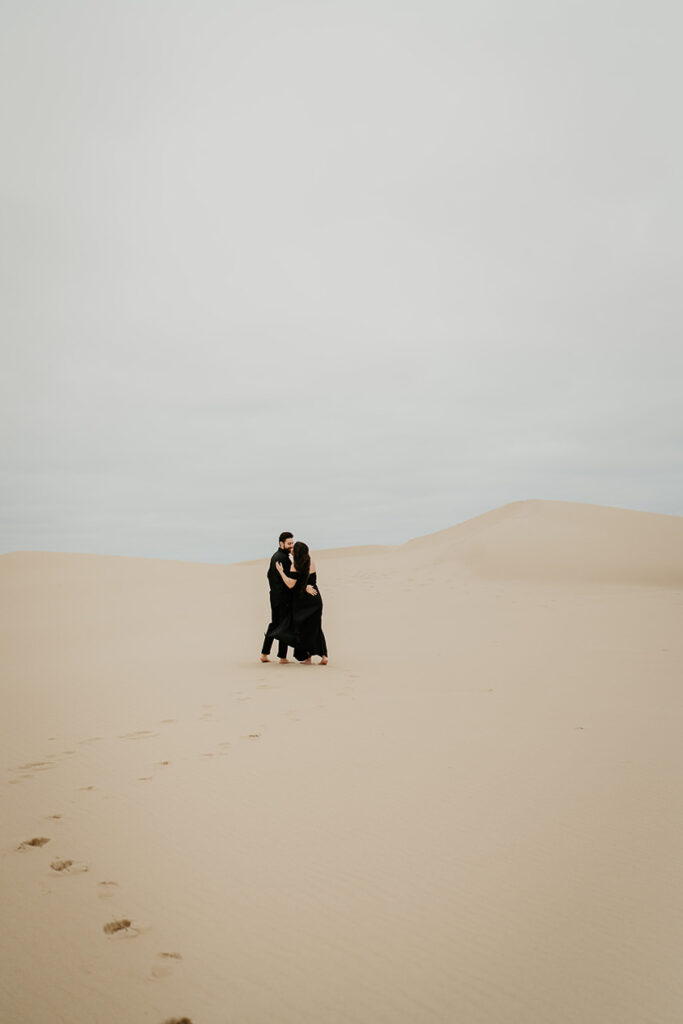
(302, 628)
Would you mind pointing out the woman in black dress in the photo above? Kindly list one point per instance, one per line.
(302, 629)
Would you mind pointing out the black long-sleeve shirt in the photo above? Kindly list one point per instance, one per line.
(275, 582)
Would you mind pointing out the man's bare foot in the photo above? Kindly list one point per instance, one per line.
(323, 660)
(264, 657)
(284, 661)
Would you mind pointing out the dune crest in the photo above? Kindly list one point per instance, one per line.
(562, 540)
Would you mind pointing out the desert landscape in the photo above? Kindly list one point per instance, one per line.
(471, 815)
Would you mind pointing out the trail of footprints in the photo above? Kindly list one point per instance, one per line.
(105, 890)
(124, 927)
(52, 760)
(26, 771)
(115, 928)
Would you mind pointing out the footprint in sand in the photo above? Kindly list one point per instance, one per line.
(34, 843)
(53, 817)
(159, 972)
(84, 789)
(61, 865)
(145, 778)
(161, 763)
(105, 890)
(167, 721)
(164, 969)
(38, 766)
(178, 1020)
(123, 928)
(69, 866)
(140, 734)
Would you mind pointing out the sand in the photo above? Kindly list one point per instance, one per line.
(472, 814)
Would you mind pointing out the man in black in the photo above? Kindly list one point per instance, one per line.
(279, 596)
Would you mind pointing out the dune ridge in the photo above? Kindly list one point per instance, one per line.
(561, 540)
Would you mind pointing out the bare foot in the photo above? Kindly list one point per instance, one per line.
(264, 657)
(284, 661)
(307, 662)
(323, 660)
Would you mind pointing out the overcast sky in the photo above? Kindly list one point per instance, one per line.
(359, 269)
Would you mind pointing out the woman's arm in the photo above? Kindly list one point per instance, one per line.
(292, 583)
(287, 580)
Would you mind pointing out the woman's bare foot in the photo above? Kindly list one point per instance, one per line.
(283, 661)
(264, 657)
(323, 660)
(307, 662)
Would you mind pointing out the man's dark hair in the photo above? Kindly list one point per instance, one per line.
(285, 536)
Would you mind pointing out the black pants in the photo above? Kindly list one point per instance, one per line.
(279, 608)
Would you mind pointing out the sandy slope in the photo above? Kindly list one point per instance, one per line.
(471, 815)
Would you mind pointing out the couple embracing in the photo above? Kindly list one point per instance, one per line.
(295, 603)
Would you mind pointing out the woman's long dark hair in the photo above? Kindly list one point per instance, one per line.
(302, 563)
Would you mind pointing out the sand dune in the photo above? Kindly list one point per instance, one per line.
(470, 815)
(561, 540)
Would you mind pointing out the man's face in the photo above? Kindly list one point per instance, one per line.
(288, 544)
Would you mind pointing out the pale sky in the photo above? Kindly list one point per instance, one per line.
(359, 270)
